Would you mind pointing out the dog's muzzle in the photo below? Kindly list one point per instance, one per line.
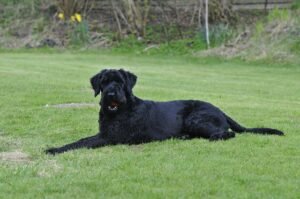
(114, 106)
(113, 103)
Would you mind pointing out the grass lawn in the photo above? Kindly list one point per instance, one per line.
(249, 166)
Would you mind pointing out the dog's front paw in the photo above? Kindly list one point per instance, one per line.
(52, 151)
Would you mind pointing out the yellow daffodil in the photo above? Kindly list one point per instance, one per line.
(78, 17)
(73, 18)
(61, 16)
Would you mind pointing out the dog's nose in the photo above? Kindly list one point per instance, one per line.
(111, 94)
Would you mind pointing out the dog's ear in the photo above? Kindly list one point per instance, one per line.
(129, 77)
(96, 82)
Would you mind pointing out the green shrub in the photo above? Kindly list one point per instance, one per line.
(80, 34)
(129, 44)
(259, 28)
(220, 33)
(39, 25)
(278, 14)
(296, 47)
(295, 5)
(178, 47)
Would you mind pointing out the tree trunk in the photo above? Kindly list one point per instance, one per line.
(206, 24)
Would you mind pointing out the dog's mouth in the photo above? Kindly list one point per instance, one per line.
(113, 106)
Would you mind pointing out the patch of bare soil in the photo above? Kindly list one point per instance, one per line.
(71, 105)
(49, 168)
(16, 156)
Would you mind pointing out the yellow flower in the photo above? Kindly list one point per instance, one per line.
(78, 17)
(61, 16)
(73, 18)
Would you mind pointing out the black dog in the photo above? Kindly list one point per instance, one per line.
(126, 119)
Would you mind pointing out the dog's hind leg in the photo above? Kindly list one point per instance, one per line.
(207, 130)
(209, 125)
(88, 142)
(222, 136)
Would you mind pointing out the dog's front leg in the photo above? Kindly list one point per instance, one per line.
(88, 142)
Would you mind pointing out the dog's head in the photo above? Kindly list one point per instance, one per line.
(115, 87)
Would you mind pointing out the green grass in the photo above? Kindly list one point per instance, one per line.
(249, 166)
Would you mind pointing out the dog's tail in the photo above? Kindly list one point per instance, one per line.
(240, 129)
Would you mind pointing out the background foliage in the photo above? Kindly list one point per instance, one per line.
(151, 27)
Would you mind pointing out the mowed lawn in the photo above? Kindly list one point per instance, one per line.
(249, 166)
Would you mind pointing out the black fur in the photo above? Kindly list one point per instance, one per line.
(127, 119)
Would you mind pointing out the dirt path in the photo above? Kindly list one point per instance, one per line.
(15, 156)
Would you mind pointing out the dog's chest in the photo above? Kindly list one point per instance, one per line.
(126, 129)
